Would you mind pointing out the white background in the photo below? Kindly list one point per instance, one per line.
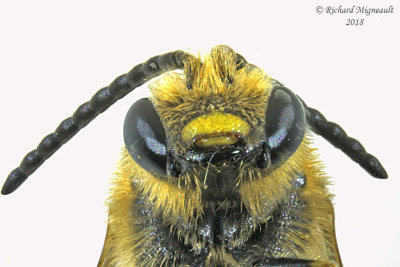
(55, 56)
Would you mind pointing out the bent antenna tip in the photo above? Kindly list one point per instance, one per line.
(14, 180)
(374, 167)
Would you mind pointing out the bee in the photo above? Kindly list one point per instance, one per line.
(217, 169)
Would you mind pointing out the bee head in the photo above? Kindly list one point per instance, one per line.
(218, 118)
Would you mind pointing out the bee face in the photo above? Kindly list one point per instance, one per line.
(214, 123)
(213, 97)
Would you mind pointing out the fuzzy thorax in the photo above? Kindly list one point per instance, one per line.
(175, 203)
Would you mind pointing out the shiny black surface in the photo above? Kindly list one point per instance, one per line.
(233, 155)
(228, 154)
(226, 223)
(144, 137)
(285, 124)
(218, 170)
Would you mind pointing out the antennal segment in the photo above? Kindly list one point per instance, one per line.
(86, 112)
(335, 135)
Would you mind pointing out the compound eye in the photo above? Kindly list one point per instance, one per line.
(144, 137)
(285, 124)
